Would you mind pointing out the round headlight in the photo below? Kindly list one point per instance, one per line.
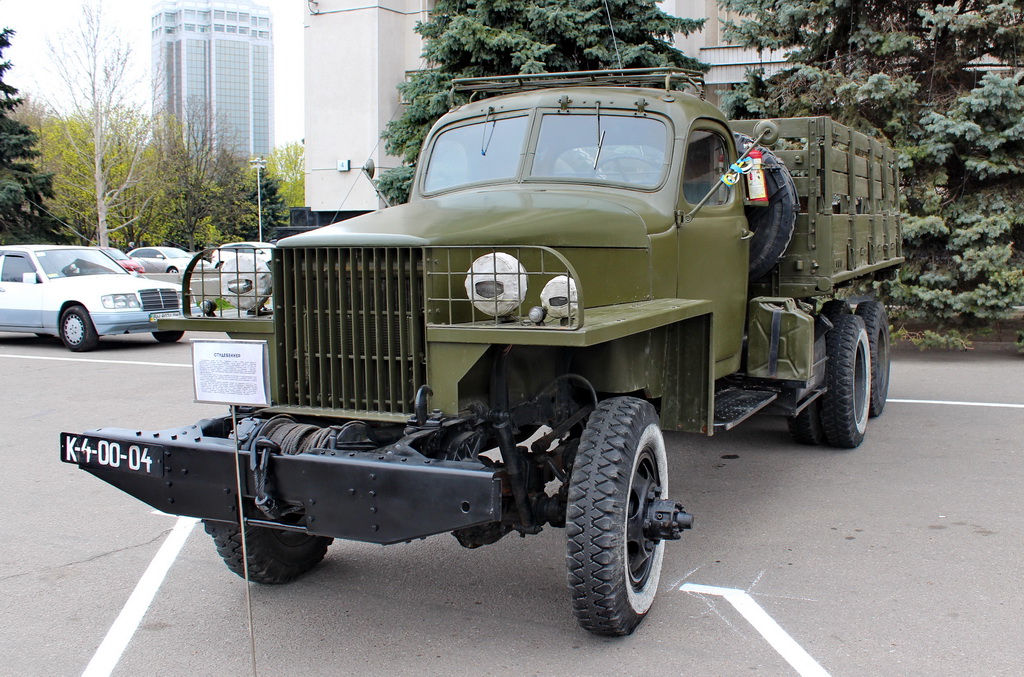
(559, 296)
(245, 281)
(496, 283)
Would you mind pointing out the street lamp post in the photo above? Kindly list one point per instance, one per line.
(260, 164)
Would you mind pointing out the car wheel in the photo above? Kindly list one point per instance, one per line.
(619, 470)
(168, 336)
(172, 269)
(273, 556)
(77, 330)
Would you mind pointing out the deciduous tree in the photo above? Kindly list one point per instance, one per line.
(101, 94)
(287, 164)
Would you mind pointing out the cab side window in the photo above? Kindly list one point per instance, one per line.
(14, 265)
(707, 159)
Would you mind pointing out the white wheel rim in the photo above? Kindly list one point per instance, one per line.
(74, 329)
(641, 600)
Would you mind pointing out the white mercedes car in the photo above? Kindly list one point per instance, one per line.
(80, 294)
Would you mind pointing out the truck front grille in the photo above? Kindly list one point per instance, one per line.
(350, 329)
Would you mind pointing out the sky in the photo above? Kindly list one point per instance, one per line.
(39, 21)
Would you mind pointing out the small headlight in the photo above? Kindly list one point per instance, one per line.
(496, 283)
(120, 301)
(559, 296)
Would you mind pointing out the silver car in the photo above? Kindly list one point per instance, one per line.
(161, 259)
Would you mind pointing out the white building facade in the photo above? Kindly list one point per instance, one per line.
(215, 59)
(357, 52)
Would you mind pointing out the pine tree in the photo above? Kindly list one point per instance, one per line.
(22, 186)
(479, 38)
(943, 82)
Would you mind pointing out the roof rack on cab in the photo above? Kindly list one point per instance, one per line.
(678, 79)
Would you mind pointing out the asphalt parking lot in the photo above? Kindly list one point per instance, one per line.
(903, 557)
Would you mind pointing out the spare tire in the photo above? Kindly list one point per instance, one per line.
(772, 225)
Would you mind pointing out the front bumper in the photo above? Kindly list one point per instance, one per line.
(361, 496)
(128, 321)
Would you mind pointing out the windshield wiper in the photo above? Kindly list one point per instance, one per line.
(600, 136)
(485, 142)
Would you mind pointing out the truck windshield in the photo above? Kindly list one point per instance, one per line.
(589, 147)
(482, 151)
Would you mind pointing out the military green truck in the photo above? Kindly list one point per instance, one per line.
(582, 265)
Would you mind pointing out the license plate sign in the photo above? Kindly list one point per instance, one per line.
(153, 317)
(87, 451)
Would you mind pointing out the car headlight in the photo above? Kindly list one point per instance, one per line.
(120, 301)
(559, 297)
(496, 283)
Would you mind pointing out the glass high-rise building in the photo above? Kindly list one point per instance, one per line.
(213, 64)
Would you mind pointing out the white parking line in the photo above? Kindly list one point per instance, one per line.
(961, 404)
(121, 632)
(787, 647)
(89, 359)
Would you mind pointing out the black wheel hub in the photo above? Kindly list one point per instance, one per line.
(640, 547)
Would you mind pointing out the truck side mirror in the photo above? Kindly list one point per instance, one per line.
(29, 278)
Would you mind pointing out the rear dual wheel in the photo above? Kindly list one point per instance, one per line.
(876, 322)
(846, 402)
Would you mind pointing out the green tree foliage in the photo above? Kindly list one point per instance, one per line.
(100, 92)
(942, 81)
(477, 38)
(22, 186)
(287, 164)
(201, 184)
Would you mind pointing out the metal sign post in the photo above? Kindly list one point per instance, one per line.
(234, 373)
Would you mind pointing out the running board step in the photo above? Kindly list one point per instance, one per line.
(734, 405)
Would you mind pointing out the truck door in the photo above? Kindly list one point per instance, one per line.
(714, 245)
(20, 301)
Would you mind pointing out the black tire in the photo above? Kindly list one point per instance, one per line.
(620, 467)
(845, 404)
(172, 269)
(77, 330)
(168, 336)
(773, 225)
(876, 321)
(833, 308)
(806, 427)
(274, 556)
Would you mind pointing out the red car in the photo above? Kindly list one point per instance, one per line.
(127, 262)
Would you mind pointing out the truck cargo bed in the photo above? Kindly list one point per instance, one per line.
(848, 226)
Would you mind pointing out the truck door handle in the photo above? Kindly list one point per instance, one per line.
(746, 235)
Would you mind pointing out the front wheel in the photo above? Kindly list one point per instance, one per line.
(172, 269)
(168, 336)
(77, 330)
(274, 556)
(619, 471)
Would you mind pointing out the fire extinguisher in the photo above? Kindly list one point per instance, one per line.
(757, 191)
